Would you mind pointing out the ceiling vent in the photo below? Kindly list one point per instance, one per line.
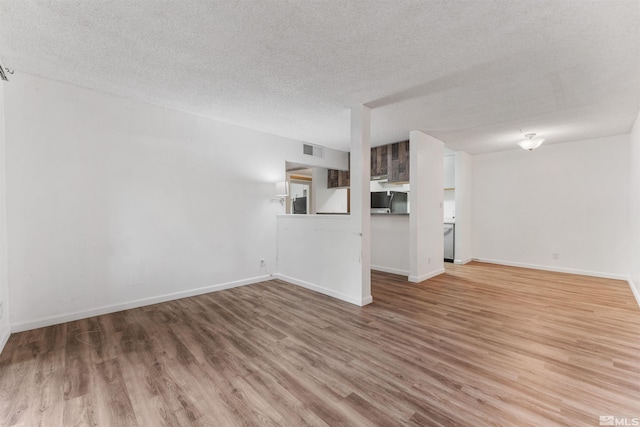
(312, 150)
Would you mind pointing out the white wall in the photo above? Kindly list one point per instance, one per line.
(390, 243)
(449, 207)
(634, 209)
(114, 203)
(450, 171)
(332, 200)
(570, 198)
(449, 185)
(5, 329)
(331, 254)
(322, 253)
(426, 240)
(463, 202)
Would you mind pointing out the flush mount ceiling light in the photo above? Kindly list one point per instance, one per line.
(531, 142)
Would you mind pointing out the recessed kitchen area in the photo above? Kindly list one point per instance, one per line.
(327, 192)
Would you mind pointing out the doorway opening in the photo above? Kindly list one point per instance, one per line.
(300, 189)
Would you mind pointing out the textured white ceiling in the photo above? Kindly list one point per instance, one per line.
(472, 73)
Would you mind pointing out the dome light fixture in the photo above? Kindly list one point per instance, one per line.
(530, 142)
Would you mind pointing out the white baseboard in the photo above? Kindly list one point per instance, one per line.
(4, 337)
(462, 261)
(418, 279)
(69, 317)
(326, 291)
(635, 290)
(390, 270)
(555, 269)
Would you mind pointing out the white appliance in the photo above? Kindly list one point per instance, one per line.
(449, 233)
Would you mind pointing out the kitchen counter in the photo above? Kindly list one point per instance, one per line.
(390, 237)
(390, 214)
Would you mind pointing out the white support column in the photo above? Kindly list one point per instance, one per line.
(426, 200)
(464, 182)
(5, 328)
(360, 198)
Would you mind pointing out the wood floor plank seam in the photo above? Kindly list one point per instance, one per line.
(480, 345)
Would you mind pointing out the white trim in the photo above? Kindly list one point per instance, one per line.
(462, 262)
(635, 290)
(4, 338)
(77, 315)
(4, 265)
(326, 291)
(311, 217)
(390, 270)
(556, 269)
(418, 279)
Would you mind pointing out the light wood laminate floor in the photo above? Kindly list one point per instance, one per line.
(479, 345)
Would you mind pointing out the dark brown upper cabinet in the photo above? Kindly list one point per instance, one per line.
(338, 178)
(379, 161)
(399, 163)
(391, 160)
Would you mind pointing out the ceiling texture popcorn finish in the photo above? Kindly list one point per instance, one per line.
(475, 74)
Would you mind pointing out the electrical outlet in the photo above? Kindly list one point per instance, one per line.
(261, 263)
(555, 255)
(429, 260)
